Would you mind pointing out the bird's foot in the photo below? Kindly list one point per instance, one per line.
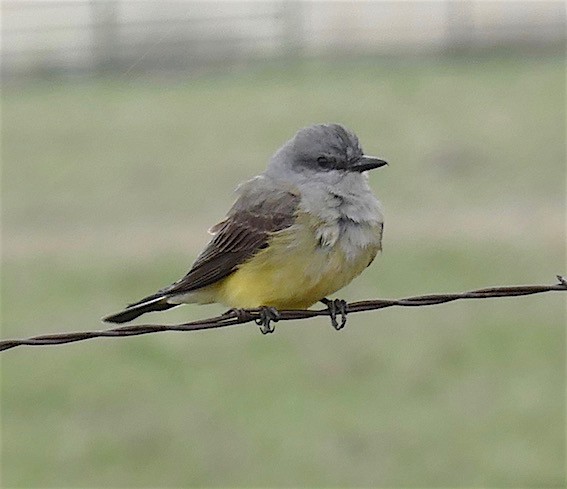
(241, 314)
(337, 306)
(267, 316)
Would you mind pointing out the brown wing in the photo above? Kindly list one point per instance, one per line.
(253, 218)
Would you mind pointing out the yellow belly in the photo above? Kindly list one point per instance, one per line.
(294, 272)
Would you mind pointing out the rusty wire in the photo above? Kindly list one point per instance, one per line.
(232, 318)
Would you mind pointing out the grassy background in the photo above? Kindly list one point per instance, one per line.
(107, 189)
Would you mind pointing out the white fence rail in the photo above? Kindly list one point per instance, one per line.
(89, 36)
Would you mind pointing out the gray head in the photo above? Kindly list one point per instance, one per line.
(326, 151)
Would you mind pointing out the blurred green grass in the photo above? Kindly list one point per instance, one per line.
(107, 188)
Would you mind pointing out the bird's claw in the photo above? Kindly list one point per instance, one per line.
(337, 306)
(242, 315)
(267, 316)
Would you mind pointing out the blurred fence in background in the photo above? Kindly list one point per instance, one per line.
(88, 37)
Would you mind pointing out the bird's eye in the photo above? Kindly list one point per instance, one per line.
(324, 161)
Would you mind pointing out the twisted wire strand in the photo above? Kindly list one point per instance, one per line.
(235, 317)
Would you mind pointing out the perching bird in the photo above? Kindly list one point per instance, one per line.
(298, 232)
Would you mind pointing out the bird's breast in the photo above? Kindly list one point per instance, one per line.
(302, 264)
(351, 223)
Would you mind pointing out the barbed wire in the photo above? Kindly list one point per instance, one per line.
(235, 317)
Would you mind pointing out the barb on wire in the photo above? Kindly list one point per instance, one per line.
(232, 318)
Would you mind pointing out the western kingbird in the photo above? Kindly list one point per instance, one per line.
(298, 232)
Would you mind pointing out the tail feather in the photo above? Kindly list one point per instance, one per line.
(152, 303)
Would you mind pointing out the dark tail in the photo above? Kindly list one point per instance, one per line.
(149, 304)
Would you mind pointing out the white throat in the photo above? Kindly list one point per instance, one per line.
(347, 210)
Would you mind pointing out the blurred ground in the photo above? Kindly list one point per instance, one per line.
(108, 188)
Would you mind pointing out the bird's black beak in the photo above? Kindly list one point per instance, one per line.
(366, 163)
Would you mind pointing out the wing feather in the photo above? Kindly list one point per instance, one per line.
(255, 215)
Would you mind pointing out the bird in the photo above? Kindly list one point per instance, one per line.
(297, 233)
